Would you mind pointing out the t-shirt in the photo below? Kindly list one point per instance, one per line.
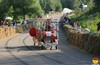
(48, 33)
(30, 20)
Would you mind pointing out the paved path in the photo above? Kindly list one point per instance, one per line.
(19, 50)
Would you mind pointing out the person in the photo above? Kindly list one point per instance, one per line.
(39, 36)
(66, 20)
(98, 26)
(8, 23)
(47, 26)
(71, 23)
(4, 22)
(32, 33)
(63, 21)
(52, 19)
(77, 26)
(53, 25)
(42, 27)
(14, 24)
(31, 21)
(24, 23)
(1, 23)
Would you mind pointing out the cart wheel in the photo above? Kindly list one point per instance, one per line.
(51, 48)
(42, 47)
(34, 44)
(56, 47)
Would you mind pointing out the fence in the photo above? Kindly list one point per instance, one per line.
(89, 42)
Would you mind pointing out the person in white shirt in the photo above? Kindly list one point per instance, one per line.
(77, 26)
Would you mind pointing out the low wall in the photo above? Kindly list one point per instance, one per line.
(6, 32)
(11, 31)
(89, 42)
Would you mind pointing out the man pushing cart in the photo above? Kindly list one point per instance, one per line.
(47, 37)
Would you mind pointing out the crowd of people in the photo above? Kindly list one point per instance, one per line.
(8, 23)
(5, 23)
(27, 24)
(76, 25)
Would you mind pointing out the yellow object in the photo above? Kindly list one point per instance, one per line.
(95, 60)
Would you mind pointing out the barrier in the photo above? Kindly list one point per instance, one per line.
(89, 42)
(6, 32)
(11, 31)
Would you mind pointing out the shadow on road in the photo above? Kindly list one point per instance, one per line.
(24, 48)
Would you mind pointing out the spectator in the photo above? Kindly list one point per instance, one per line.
(4, 22)
(1, 23)
(24, 23)
(66, 20)
(98, 26)
(8, 23)
(71, 23)
(31, 21)
(14, 24)
(63, 21)
(77, 26)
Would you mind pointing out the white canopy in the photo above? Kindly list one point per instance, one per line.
(9, 18)
(66, 10)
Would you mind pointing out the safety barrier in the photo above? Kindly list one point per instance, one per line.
(11, 31)
(89, 42)
(6, 32)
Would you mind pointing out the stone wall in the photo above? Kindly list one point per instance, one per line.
(89, 42)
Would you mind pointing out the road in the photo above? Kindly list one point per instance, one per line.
(19, 50)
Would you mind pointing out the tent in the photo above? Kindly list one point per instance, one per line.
(67, 10)
(9, 18)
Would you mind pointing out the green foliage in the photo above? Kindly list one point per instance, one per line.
(21, 8)
(45, 4)
(72, 4)
(25, 7)
(4, 7)
(88, 20)
(51, 5)
(97, 5)
(18, 8)
(76, 4)
(89, 17)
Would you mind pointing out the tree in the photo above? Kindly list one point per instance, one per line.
(56, 5)
(97, 5)
(72, 4)
(25, 7)
(76, 4)
(51, 5)
(46, 5)
(4, 7)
